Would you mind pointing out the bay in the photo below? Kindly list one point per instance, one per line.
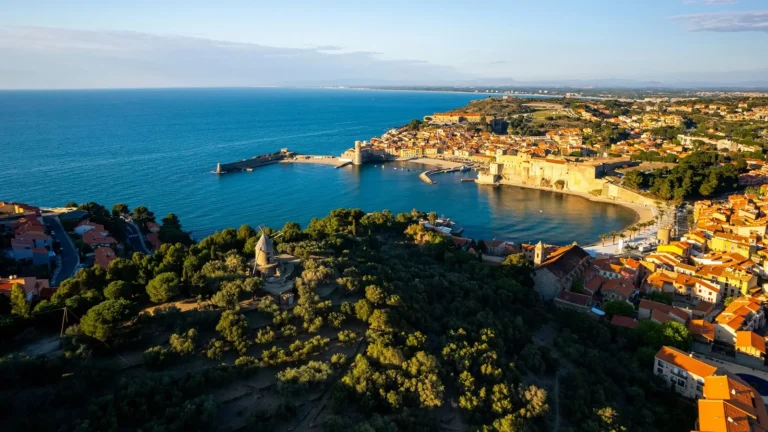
(158, 148)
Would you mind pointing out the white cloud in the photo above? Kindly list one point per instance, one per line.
(35, 57)
(726, 21)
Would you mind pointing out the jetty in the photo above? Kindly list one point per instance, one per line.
(283, 156)
(428, 180)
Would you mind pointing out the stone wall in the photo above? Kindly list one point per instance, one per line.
(580, 177)
(619, 193)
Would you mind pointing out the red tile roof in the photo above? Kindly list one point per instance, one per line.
(623, 321)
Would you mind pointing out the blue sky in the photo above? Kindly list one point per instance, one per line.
(665, 40)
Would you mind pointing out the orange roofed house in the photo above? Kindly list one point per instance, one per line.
(682, 372)
(750, 348)
(555, 272)
(32, 286)
(743, 314)
(730, 404)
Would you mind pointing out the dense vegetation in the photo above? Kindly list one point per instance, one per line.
(442, 333)
(701, 173)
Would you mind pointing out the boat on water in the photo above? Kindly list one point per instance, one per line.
(447, 226)
(464, 168)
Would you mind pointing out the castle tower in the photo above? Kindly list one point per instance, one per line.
(540, 254)
(358, 154)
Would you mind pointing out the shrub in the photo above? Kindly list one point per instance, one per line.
(247, 361)
(184, 344)
(338, 360)
(157, 357)
(336, 319)
(314, 325)
(347, 337)
(288, 330)
(294, 380)
(348, 308)
(265, 335)
(215, 349)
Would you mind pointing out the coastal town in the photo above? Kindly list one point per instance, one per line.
(687, 281)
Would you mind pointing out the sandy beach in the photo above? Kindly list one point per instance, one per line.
(434, 162)
(643, 213)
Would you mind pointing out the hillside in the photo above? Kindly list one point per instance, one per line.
(415, 335)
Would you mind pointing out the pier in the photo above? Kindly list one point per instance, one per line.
(425, 175)
(283, 156)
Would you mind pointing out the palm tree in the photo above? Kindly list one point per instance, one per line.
(603, 237)
(633, 230)
(613, 236)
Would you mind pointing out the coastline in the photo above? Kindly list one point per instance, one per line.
(644, 214)
(433, 162)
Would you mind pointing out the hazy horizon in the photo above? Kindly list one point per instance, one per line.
(84, 44)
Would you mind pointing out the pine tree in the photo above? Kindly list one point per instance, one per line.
(19, 305)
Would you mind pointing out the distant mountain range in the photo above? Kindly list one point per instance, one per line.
(609, 83)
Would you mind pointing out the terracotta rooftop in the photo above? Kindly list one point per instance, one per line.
(623, 321)
(750, 339)
(682, 360)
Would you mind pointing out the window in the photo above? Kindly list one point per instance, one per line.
(659, 371)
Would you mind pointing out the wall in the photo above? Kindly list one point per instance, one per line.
(619, 193)
(546, 284)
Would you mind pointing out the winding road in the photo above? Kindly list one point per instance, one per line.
(69, 259)
(135, 237)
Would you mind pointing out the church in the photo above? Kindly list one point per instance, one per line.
(554, 272)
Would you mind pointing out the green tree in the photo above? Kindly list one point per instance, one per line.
(375, 295)
(233, 327)
(19, 305)
(163, 287)
(142, 215)
(619, 307)
(363, 310)
(661, 297)
(103, 319)
(117, 289)
(119, 210)
(184, 344)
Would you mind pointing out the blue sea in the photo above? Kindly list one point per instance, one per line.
(158, 148)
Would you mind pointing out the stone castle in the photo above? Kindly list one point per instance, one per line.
(562, 174)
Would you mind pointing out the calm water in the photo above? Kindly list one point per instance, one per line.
(158, 147)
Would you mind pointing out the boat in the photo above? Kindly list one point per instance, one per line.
(464, 168)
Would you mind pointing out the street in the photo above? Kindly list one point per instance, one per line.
(135, 238)
(68, 257)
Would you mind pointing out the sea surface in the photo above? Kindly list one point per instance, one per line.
(159, 147)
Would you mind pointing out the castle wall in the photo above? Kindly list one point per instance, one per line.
(619, 193)
(577, 177)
